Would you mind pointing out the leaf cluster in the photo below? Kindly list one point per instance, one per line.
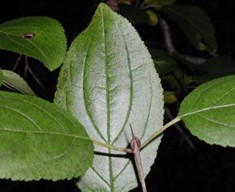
(108, 79)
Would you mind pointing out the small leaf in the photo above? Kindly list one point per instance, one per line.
(196, 25)
(40, 141)
(15, 81)
(107, 81)
(153, 18)
(208, 111)
(39, 37)
(169, 97)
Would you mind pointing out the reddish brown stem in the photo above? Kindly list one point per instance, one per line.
(135, 147)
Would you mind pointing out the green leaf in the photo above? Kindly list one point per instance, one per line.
(16, 82)
(40, 141)
(158, 4)
(153, 18)
(39, 37)
(196, 25)
(208, 111)
(107, 81)
(169, 97)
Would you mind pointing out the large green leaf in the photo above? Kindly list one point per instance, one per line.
(208, 111)
(108, 80)
(40, 141)
(39, 37)
(196, 25)
(14, 81)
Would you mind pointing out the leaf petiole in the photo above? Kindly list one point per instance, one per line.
(112, 147)
(149, 140)
(160, 131)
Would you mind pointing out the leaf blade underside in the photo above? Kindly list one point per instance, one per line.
(108, 80)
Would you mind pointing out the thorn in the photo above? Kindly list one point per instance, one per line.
(135, 141)
(135, 147)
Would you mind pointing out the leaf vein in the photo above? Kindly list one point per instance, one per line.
(85, 91)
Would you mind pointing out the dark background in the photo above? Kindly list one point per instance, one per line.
(178, 166)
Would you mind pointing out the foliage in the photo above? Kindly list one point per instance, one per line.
(42, 38)
(40, 141)
(211, 119)
(107, 81)
(14, 81)
(107, 85)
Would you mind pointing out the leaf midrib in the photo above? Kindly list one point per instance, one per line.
(46, 133)
(207, 109)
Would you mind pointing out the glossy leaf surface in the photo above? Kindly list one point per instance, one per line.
(208, 111)
(108, 81)
(40, 141)
(39, 37)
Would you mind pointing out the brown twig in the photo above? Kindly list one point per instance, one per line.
(135, 147)
(27, 69)
(17, 62)
(171, 48)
